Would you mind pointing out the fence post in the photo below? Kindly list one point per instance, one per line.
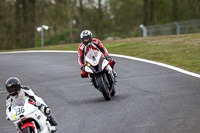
(144, 30)
(177, 28)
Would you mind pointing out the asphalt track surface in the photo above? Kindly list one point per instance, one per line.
(149, 98)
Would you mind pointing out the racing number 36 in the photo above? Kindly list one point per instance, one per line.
(20, 110)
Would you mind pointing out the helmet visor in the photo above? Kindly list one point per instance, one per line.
(86, 39)
(12, 91)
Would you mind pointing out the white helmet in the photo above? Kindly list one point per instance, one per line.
(86, 34)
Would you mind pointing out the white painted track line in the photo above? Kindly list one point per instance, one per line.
(122, 56)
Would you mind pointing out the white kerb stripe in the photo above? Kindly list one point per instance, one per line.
(122, 56)
(159, 64)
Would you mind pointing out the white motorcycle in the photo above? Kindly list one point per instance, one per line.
(27, 118)
(100, 73)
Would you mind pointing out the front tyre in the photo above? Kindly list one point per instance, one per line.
(113, 90)
(103, 87)
(27, 130)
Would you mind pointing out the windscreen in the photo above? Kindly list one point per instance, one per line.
(92, 53)
(19, 101)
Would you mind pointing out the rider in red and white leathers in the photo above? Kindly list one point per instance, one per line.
(16, 91)
(88, 41)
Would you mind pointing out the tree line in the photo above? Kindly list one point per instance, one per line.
(19, 19)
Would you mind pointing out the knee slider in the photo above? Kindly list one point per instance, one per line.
(47, 111)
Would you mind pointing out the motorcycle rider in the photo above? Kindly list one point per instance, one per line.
(16, 90)
(89, 42)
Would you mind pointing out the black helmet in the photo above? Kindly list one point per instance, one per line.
(13, 86)
(86, 34)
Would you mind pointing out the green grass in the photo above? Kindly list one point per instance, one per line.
(178, 50)
(182, 51)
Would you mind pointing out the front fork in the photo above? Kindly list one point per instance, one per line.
(35, 127)
(110, 72)
(92, 81)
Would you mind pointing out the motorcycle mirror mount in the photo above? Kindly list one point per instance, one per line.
(93, 57)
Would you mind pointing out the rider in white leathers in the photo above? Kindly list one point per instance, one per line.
(16, 90)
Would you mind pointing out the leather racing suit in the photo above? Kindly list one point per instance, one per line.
(27, 91)
(96, 45)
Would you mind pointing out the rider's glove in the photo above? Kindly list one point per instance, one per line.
(8, 103)
(83, 68)
(7, 118)
(108, 58)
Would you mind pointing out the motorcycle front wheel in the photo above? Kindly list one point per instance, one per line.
(113, 91)
(27, 130)
(103, 87)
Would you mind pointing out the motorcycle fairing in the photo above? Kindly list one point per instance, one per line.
(98, 68)
(93, 57)
(89, 69)
(30, 114)
(104, 64)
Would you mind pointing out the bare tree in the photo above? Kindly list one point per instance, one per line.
(146, 14)
(18, 22)
(151, 10)
(81, 13)
(69, 10)
(100, 19)
(175, 10)
(28, 13)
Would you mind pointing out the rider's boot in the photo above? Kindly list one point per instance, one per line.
(47, 112)
(53, 124)
(52, 121)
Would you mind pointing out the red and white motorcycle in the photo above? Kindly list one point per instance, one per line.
(100, 73)
(27, 118)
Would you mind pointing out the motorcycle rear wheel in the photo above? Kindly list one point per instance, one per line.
(103, 87)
